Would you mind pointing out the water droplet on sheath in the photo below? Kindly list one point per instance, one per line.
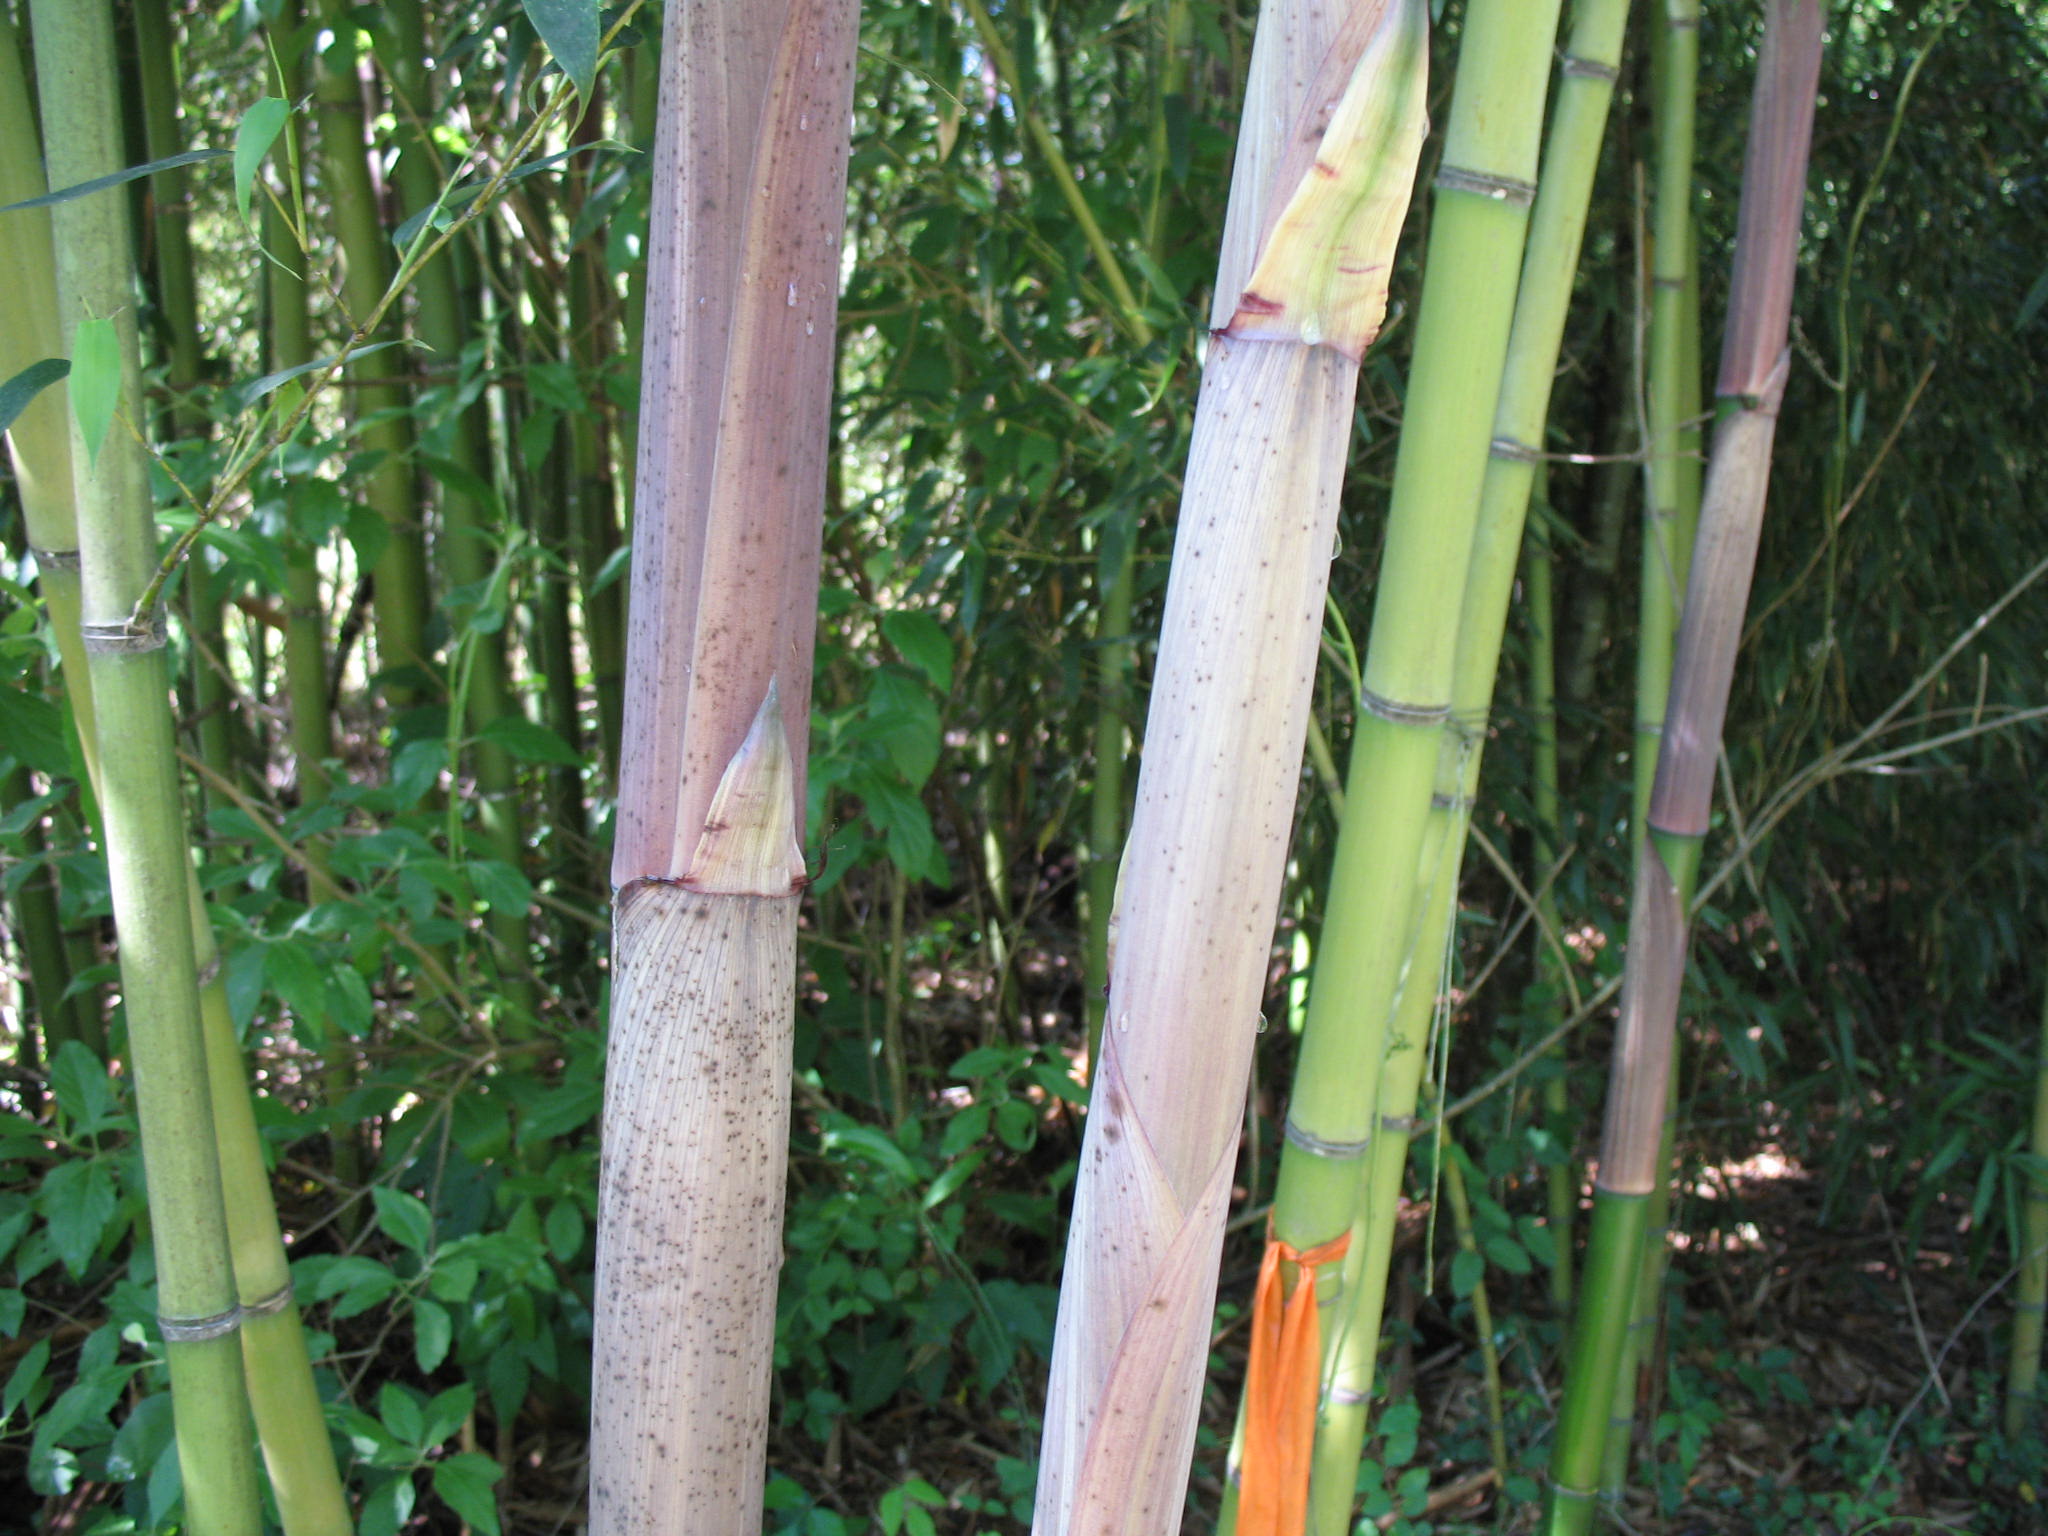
(1123, 1023)
(792, 295)
(1262, 1024)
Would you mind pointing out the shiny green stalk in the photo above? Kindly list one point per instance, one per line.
(1754, 365)
(145, 833)
(467, 546)
(402, 595)
(1484, 190)
(1671, 508)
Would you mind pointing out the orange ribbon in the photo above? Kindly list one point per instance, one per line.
(1281, 1384)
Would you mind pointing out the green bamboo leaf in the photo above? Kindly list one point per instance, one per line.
(95, 381)
(259, 129)
(16, 393)
(118, 178)
(569, 28)
(242, 396)
(2030, 306)
(449, 207)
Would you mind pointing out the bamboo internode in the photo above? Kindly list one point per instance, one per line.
(750, 180)
(1203, 866)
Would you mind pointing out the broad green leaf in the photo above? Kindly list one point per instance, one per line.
(499, 886)
(79, 1080)
(922, 642)
(565, 1229)
(259, 129)
(432, 1332)
(77, 1202)
(463, 1482)
(95, 381)
(141, 1438)
(399, 1407)
(32, 731)
(18, 391)
(404, 1218)
(528, 742)
(867, 1142)
(1506, 1253)
(560, 1111)
(1467, 1269)
(388, 1507)
(445, 1412)
(570, 29)
(118, 178)
(23, 1379)
(902, 718)
(300, 982)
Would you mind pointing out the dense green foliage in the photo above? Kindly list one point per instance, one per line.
(1860, 1035)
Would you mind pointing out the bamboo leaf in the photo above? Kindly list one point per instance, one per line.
(259, 129)
(456, 198)
(118, 178)
(245, 395)
(95, 381)
(2031, 305)
(18, 391)
(569, 28)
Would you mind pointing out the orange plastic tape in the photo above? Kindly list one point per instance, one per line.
(1280, 1390)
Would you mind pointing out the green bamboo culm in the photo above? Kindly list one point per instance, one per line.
(178, 348)
(1671, 509)
(146, 851)
(401, 590)
(1556, 232)
(1672, 469)
(2030, 1293)
(1754, 366)
(1118, 546)
(1484, 189)
(38, 932)
(1553, 970)
(1527, 346)
(466, 545)
(39, 447)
